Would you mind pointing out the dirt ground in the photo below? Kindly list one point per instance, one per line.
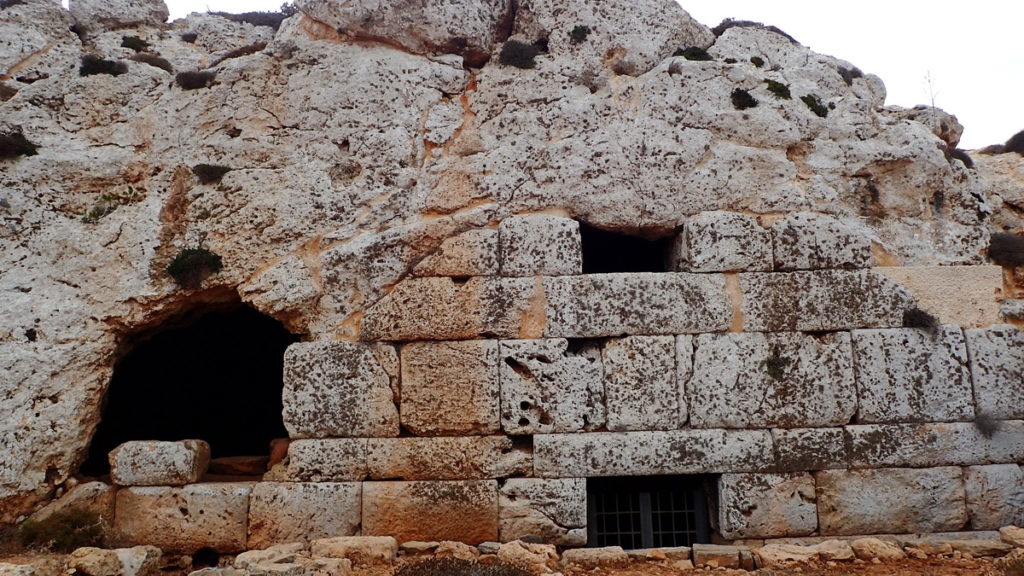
(907, 567)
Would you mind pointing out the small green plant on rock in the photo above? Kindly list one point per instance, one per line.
(134, 43)
(518, 54)
(757, 61)
(741, 99)
(579, 34)
(815, 105)
(193, 265)
(694, 53)
(63, 531)
(14, 144)
(93, 64)
(779, 90)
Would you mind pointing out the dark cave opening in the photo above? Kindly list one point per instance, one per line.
(215, 376)
(608, 252)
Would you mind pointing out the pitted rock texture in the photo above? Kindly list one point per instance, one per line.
(760, 505)
(283, 512)
(153, 463)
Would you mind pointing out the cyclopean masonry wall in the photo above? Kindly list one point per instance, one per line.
(414, 210)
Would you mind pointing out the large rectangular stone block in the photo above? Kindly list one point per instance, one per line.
(766, 505)
(939, 444)
(821, 300)
(995, 496)
(450, 388)
(327, 460)
(642, 391)
(554, 509)
(472, 253)
(912, 375)
(540, 244)
(340, 389)
(961, 295)
(466, 511)
(546, 387)
(599, 305)
(182, 520)
(654, 452)
(799, 449)
(447, 309)
(790, 380)
(722, 242)
(154, 463)
(997, 365)
(282, 512)
(806, 241)
(452, 458)
(890, 501)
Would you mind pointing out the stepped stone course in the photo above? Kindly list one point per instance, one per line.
(283, 512)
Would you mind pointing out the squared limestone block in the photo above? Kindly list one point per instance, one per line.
(156, 463)
(552, 509)
(912, 375)
(450, 309)
(599, 305)
(722, 242)
(995, 496)
(446, 458)
(807, 241)
(340, 389)
(472, 253)
(784, 380)
(997, 366)
(462, 510)
(890, 501)
(182, 520)
(450, 388)
(938, 444)
(327, 460)
(282, 512)
(540, 245)
(800, 449)
(651, 453)
(961, 295)
(821, 300)
(641, 389)
(545, 387)
(766, 505)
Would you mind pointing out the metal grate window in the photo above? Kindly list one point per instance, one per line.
(646, 512)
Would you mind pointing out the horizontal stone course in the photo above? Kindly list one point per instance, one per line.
(799, 449)
(599, 305)
(554, 509)
(156, 463)
(766, 505)
(540, 244)
(651, 453)
(939, 444)
(806, 241)
(465, 511)
(327, 460)
(446, 458)
(995, 496)
(722, 242)
(283, 512)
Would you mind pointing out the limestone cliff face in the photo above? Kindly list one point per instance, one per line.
(362, 136)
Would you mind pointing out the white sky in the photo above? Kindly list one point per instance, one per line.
(972, 51)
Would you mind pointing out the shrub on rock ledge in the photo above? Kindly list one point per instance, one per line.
(210, 173)
(93, 64)
(193, 265)
(518, 54)
(741, 99)
(63, 531)
(815, 105)
(1006, 249)
(195, 80)
(14, 144)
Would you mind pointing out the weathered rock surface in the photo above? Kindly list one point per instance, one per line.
(995, 496)
(94, 16)
(766, 505)
(153, 463)
(464, 511)
(540, 244)
(871, 548)
(642, 387)
(722, 242)
(805, 241)
(361, 550)
(450, 388)
(940, 444)
(997, 361)
(455, 458)
(327, 460)
(283, 512)
(590, 558)
(553, 509)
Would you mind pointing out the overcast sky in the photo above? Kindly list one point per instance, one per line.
(971, 51)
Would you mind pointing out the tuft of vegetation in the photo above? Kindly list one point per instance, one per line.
(270, 19)
(134, 43)
(242, 51)
(986, 424)
(850, 74)
(107, 204)
(579, 34)
(14, 144)
(154, 61)
(193, 265)
(1015, 144)
(1006, 249)
(741, 99)
(63, 531)
(732, 23)
(957, 154)
(460, 567)
(210, 173)
(815, 105)
(93, 64)
(757, 61)
(4, 4)
(194, 80)
(776, 364)
(518, 54)
(693, 53)
(918, 318)
(779, 90)
(189, 37)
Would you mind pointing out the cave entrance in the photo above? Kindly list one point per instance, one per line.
(214, 375)
(608, 252)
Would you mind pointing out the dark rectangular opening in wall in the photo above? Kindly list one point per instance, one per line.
(647, 511)
(608, 252)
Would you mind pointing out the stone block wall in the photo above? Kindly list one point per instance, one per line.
(489, 385)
